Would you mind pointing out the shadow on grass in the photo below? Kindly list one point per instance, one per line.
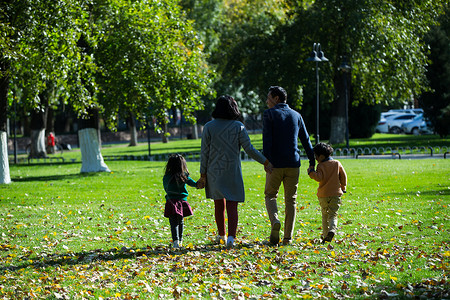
(99, 255)
(128, 151)
(50, 163)
(54, 177)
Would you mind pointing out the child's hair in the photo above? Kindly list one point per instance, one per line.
(323, 149)
(177, 167)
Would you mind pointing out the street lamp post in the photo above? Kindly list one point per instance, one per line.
(345, 68)
(317, 56)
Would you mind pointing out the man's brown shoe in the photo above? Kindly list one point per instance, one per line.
(275, 233)
(329, 237)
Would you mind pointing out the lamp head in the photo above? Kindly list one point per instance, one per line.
(321, 56)
(313, 56)
(344, 67)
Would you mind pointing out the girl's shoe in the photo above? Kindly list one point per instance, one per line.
(220, 238)
(176, 244)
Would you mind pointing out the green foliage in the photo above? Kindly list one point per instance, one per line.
(46, 56)
(150, 60)
(436, 103)
(232, 31)
(133, 56)
(266, 43)
(71, 235)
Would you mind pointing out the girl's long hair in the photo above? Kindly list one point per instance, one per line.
(177, 167)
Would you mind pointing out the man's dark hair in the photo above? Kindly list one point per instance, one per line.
(226, 108)
(323, 149)
(278, 91)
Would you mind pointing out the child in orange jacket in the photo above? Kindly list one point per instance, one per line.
(332, 185)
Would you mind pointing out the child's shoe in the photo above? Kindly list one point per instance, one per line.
(230, 242)
(176, 244)
(220, 238)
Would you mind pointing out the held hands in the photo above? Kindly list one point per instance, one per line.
(201, 183)
(268, 167)
(310, 169)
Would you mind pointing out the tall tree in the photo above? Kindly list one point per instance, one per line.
(436, 102)
(150, 61)
(383, 41)
(32, 52)
(231, 31)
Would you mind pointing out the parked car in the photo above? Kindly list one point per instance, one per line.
(413, 126)
(416, 111)
(388, 114)
(393, 124)
(426, 127)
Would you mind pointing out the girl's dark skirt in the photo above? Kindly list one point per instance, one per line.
(177, 207)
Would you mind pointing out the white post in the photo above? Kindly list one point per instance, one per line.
(4, 163)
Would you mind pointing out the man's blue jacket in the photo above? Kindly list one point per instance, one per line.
(283, 127)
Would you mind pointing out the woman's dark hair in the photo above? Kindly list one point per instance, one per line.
(323, 149)
(177, 167)
(226, 108)
(280, 92)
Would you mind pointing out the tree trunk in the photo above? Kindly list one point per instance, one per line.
(195, 131)
(89, 139)
(337, 132)
(338, 126)
(38, 143)
(133, 130)
(50, 120)
(4, 83)
(4, 163)
(91, 158)
(37, 135)
(164, 134)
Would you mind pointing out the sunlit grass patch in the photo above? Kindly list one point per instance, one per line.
(70, 235)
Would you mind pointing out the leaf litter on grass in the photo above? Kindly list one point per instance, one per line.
(385, 248)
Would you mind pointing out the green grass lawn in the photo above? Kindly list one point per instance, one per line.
(103, 235)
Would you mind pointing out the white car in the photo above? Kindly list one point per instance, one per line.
(393, 124)
(416, 111)
(426, 128)
(413, 126)
(388, 114)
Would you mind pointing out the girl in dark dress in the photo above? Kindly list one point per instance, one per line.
(177, 207)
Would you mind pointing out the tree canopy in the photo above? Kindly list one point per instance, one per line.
(149, 59)
(266, 43)
(140, 56)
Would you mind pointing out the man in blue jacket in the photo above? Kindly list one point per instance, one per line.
(283, 127)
